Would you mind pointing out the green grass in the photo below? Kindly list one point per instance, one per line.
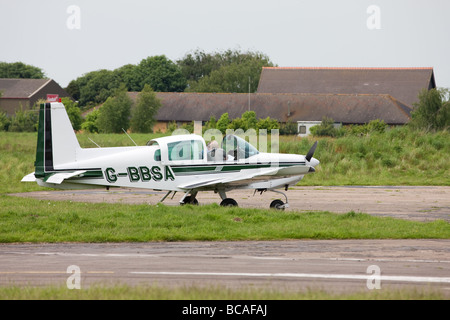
(400, 156)
(29, 220)
(156, 292)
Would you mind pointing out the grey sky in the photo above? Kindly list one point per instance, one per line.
(293, 33)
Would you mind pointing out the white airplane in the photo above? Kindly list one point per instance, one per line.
(180, 163)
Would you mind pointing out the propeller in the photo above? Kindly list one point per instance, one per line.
(311, 152)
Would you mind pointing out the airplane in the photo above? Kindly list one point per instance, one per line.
(177, 163)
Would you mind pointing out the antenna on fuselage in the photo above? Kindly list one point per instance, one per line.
(94, 142)
(129, 137)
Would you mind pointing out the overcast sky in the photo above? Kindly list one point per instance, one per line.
(67, 38)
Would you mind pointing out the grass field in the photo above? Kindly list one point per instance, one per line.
(156, 292)
(397, 157)
(28, 220)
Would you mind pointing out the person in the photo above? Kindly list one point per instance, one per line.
(212, 145)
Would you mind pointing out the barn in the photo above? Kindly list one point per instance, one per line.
(17, 93)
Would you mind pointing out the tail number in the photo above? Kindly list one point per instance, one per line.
(142, 173)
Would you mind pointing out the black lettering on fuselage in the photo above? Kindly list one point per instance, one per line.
(141, 173)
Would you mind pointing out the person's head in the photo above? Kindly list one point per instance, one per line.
(213, 145)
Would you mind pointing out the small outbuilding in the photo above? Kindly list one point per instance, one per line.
(17, 93)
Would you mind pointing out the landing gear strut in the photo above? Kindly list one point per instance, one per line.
(189, 198)
(277, 204)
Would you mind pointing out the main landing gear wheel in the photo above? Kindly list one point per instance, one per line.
(190, 200)
(228, 202)
(277, 204)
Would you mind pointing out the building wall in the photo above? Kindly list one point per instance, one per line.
(51, 88)
(160, 126)
(11, 105)
(304, 126)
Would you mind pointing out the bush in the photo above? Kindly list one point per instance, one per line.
(74, 113)
(373, 126)
(289, 128)
(326, 128)
(432, 112)
(268, 124)
(115, 112)
(90, 123)
(4, 121)
(24, 121)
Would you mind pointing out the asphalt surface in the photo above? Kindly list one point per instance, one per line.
(336, 266)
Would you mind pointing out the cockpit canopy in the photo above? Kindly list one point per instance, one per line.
(238, 147)
(192, 148)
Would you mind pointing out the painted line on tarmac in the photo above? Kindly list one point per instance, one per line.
(53, 272)
(302, 275)
(174, 255)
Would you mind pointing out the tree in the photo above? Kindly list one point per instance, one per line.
(73, 112)
(231, 78)
(161, 74)
(246, 121)
(229, 71)
(90, 122)
(268, 124)
(144, 112)
(199, 64)
(93, 88)
(432, 112)
(130, 75)
(325, 128)
(223, 122)
(115, 112)
(96, 86)
(20, 70)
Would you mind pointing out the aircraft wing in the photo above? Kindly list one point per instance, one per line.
(241, 178)
(58, 178)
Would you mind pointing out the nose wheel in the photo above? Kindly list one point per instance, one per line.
(277, 204)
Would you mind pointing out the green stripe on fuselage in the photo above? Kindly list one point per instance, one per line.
(225, 168)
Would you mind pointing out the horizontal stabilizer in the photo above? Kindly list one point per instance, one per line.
(58, 178)
(29, 178)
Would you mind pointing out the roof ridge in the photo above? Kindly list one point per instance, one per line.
(403, 107)
(43, 85)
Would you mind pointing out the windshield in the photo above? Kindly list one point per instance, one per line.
(238, 147)
(185, 150)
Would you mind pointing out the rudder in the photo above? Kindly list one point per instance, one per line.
(57, 143)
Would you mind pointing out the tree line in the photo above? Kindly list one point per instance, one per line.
(119, 112)
(197, 71)
(228, 71)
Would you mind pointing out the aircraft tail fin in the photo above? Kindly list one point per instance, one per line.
(57, 143)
